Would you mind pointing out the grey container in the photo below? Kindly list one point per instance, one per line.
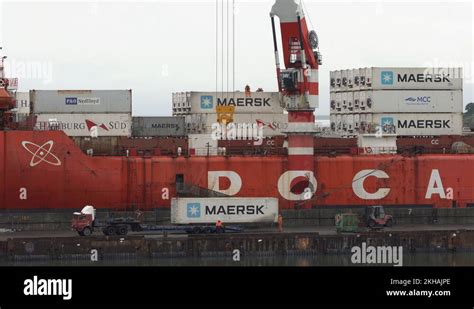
(158, 126)
(81, 101)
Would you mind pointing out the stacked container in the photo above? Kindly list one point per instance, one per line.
(402, 101)
(248, 112)
(83, 113)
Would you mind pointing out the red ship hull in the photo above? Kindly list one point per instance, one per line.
(46, 170)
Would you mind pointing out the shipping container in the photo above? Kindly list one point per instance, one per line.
(81, 101)
(208, 102)
(273, 124)
(419, 124)
(344, 81)
(414, 101)
(22, 103)
(158, 126)
(377, 78)
(86, 124)
(228, 210)
(356, 79)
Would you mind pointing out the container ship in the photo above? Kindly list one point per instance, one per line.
(395, 139)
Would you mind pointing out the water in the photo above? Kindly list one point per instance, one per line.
(418, 259)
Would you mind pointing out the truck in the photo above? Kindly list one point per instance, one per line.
(188, 215)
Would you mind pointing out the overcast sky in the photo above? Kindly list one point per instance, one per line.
(159, 47)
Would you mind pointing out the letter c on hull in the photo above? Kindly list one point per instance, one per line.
(358, 185)
(284, 183)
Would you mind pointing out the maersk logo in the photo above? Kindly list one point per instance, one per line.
(386, 78)
(206, 102)
(194, 210)
(71, 101)
(386, 121)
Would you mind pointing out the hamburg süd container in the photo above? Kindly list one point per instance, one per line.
(94, 125)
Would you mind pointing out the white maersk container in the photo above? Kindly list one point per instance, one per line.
(94, 125)
(81, 101)
(416, 78)
(414, 101)
(227, 209)
(420, 124)
(206, 102)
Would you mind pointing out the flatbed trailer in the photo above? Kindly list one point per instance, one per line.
(122, 227)
(85, 224)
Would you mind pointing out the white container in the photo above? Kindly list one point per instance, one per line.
(344, 102)
(350, 79)
(415, 101)
(420, 124)
(338, 75)
(356, 121)
(81, 101)
(350, 122)
(332, 98)
(207, 102)
(350, 102)
(273, 124)
(202, 145)
(356, 79)
(338, 102)
(338, 123)
(332, 79)
(356, 101)
(368, 77)
(22, 103)
(227, 209)
(344, 81)
(417, 78)
(93, 125)
(362, 100)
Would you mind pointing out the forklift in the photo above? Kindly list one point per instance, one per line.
(376, 217)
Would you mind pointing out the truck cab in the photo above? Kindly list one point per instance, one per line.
(83, 222)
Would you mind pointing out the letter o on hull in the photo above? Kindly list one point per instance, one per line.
(287, 177)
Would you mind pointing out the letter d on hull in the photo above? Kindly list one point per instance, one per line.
(233, 178)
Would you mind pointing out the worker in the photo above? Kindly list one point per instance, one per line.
(247, 91)
(280, 223)
(259, 90)
(219, 226)
(138, 214)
